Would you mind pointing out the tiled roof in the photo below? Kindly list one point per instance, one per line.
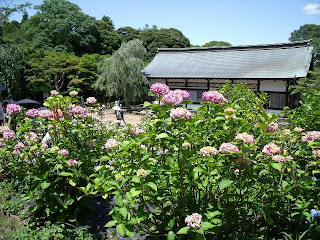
(272, 61)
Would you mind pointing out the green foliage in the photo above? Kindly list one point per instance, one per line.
(157, 173)
(307, 32)
(307, 115)
(155, 38)
(244, 195)
(120, 75)
(48, 70)
(216, 44)
(61, 25)
(46, 233)
(10, 68)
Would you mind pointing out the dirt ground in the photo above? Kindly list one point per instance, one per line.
(128, 117)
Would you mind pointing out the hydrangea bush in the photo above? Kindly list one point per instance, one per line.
(207, 175)
(55, 173)
(228, 170)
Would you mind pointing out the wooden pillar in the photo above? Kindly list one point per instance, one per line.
(258, 85)
(208, 84)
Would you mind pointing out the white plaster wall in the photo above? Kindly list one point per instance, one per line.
(273, 86)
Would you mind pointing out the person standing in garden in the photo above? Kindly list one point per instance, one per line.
(119, 114)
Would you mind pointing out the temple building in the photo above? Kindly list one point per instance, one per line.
(270, 68)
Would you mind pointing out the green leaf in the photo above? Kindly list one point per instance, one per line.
(123, 212)
(111, 223)
(146, 104)
(198, 169)
(183, 230)
(72, 183)
(225, 183)
(119, 200)
(277, 166)
(66, 174)
(206, 225)
(264, 171)
(162, 135)
(152, 185)
(135, 192)
(135, 179)
(121, 229)
(171, 236)
(45, 185)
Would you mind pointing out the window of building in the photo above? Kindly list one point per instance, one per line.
(277, 100)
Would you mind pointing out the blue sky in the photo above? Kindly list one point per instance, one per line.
(239, 22)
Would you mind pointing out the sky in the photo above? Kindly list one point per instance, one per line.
(239, 22)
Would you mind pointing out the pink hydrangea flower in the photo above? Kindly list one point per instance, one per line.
(228, 148)
(73, 93)
(159, 89)
(63, 152)
(298, 129)
(183, 93)
(45, 114)
(141, 172)
(272, 127)
(32, 113)
(111, 143)
(229, 110)
(312, 135)
(31, 136)
(271, 149)
(136, 131)
(79, 111)
(316, 153)
(208, 151)
(54, 92)
(10, 135)
(3, 129)
(194, 220)
(16, 152)
(173, 98)
(19, 146)
(13, 109)
(214, 97)
(279, 158)
(180, 113)
(187, 144)
(245, 137)
(289, 158)
(72, 162)
(91, 100)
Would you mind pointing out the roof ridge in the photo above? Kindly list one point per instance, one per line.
(304, 43)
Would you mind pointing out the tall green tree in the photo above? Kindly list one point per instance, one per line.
(155, 38)
(61, 25)
(10, 69)
(110, 40)
(120, 75)
(47, 70)
(216, 44)
(309, 32)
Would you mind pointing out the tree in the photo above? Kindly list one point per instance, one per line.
(163, 38)
(307, 32)
(87, 74)
(10, 69)
(61, 25)
(110, 40)
(49, 70)
(216, 44)
(120, 75)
